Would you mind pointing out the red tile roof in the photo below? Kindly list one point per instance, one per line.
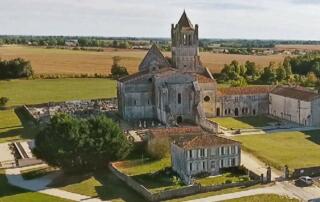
(298, 93)
(203, 79)
(204, 141)
(167, 132)
(250, 90)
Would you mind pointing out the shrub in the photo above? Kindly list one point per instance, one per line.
(3, 101)
(158, 148)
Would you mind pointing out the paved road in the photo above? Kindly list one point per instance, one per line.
(40, 185)
(275, 189)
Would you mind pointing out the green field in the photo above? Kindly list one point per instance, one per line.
(243, 122)
(295, 149)
(103, 185)
(264, 198)
(40, 91)
(10, 193)
(49, 90)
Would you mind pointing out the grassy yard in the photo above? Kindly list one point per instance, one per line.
(151, 174)
(39, 91)
(33, 173)
(102, 184)
(264, 198)
(48, 90)
(10, 193)
(295, 149)
(243, 122)
(230, 177)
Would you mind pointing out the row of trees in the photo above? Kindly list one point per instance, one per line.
(78, 145)
(16, 68)
(241, 74)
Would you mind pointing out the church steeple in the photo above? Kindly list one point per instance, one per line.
(185, 21)
(184, 37)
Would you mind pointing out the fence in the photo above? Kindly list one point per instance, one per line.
(312, 171)
(181, 192)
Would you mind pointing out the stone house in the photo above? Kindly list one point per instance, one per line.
(295, 104)
(192, 155)
(243, 101)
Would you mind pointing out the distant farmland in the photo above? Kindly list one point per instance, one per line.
(51, 61)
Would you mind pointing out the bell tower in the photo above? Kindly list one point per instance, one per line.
(185, 42)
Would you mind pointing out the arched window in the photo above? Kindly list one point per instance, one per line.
(184, 39)
(179, 98)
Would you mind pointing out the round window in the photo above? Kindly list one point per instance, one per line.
(206, 99)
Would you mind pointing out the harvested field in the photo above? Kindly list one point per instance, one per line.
(298, 47)
(52, 61)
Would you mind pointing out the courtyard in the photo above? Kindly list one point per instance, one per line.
(244, 122)
(293, 148)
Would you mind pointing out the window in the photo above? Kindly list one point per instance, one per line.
(254, 112)
(233, 150)
(221, 151)
(190, 154)
(204, 165)
(229, 111)
(233, 162)
(135, 102)
(213, 152)
(148, 101)
(221, 163)
(212, 164)
(179, 98)
(206, 99)
(190, 166)
(201, 152)
(184, 39)
(225, 112)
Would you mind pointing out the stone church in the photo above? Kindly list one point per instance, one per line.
(182, 90)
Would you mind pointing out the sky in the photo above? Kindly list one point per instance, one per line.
(247, 19)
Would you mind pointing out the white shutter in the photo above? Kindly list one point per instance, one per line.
(230, 150)
(236, 148)
(205, 152)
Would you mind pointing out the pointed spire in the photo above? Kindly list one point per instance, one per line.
(184, 20)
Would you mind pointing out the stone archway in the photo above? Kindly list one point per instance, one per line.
(236, 112)
(179, 119)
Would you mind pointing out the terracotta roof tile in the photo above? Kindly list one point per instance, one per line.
(298, 93)
(245, 90)
(204, 141)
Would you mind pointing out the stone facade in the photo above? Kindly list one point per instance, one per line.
(170, 93)
(295, 104)
(204, 154)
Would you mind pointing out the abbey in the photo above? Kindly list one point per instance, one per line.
(170, 92)
(183, 90)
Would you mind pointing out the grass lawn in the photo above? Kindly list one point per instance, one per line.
(102, 184)
(33, 173)
(10, 193)
(223, 178)
(49, 90)
(243, 122)
(40, 91)
(264, 198)
(150, 174)
(295, 149)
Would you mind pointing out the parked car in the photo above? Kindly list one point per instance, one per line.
(304, 181)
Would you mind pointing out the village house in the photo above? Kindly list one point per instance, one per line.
(193, 155)
(295, 104)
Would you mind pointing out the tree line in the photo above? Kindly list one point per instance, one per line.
(302, 70)
(15, 68)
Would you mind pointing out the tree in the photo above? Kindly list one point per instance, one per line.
(268, 75)
(117, 70)
(241, 82)
(281, 73)
(75, 144)
(311, 79)
(3, 101)
(287, 66)
(251, 69)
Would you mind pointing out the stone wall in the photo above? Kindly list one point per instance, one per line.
(176, 193)
(312, 171)
(209, 126)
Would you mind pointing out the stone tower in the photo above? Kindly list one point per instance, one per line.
(185, 41)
